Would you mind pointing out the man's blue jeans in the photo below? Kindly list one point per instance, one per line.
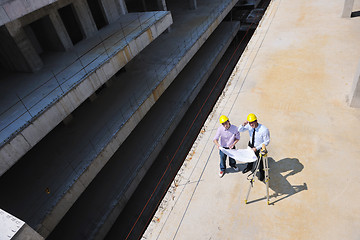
(223, 156)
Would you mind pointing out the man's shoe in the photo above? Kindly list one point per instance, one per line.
(221, 174)
(245, 170)
(235, 168)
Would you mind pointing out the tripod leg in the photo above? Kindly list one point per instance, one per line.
(252, 180)
(266, 170)
(251, 184)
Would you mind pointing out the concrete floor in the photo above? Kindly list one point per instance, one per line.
(296, 75)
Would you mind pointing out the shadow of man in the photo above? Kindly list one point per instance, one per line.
(279, 183)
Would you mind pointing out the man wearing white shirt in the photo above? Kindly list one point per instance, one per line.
(259, 135)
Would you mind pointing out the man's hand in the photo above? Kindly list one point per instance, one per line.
(216, 143)
(254, 149)
(244, 124)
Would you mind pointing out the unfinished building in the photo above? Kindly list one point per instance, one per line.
(77, 77)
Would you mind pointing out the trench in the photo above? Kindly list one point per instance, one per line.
(139, 210)
(141, 207)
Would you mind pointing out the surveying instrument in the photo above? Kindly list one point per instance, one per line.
(264, 159)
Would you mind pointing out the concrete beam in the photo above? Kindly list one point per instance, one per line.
(355, 90)
(348, 7)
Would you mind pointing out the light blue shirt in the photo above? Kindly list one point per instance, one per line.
(262, 135)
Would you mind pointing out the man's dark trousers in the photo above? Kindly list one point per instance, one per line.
(251, 165)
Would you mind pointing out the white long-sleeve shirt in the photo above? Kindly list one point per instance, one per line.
(262, 135)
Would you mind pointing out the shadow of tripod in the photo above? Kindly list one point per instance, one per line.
(279, 183)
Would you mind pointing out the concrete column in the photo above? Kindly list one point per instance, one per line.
(111, 10)
(121, 6)
(85, 18)
(60, 29)
(355, 90)
(20, 53)
(348, 8)
(162, 5)
(193, 4)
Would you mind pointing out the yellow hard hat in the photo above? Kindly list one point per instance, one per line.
(251, 117)
(223, 119)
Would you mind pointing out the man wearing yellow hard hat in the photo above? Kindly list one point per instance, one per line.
(259, 134)
(227, 136)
